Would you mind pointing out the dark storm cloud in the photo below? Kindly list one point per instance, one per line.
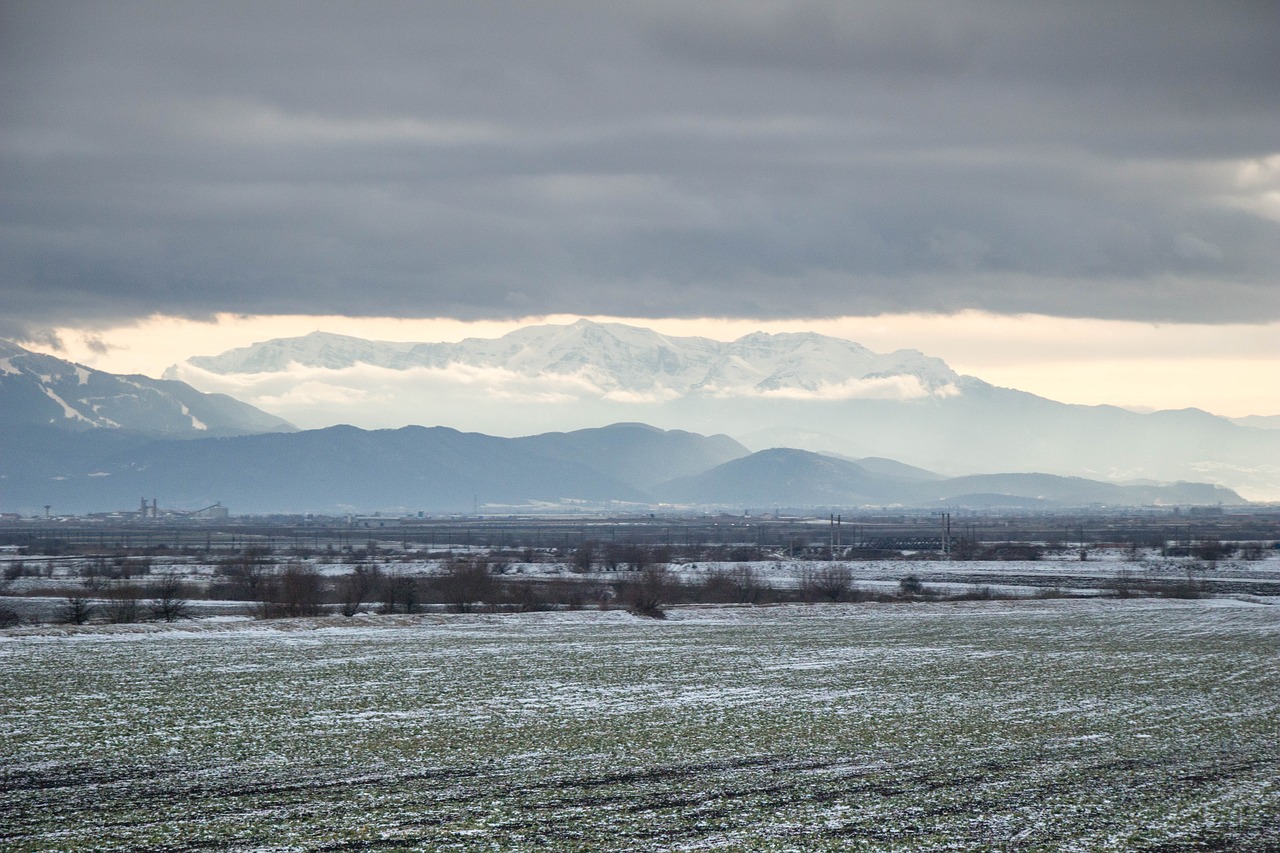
(729, 159)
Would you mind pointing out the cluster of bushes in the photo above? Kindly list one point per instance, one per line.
(466, 585)
(1126, 585)
(122, 589)
(165, 600)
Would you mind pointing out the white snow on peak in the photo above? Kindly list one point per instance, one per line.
(624, 362)
(67, 412)
(196, 423)
(30, 381)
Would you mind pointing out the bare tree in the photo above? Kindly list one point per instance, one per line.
(748, 586)
(122, 605)
(831, 582)
(717, 586)
(77, 610)
(358, 587)
(1211, 550)
(649, 591)
(741, 584)
(295, 591)
(400, 591)
(168, 599)
(584, 556)
(94, 572)
(466, 583)
(911, 586)
(1123, 584)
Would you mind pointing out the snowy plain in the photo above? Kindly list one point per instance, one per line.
(1064, 724)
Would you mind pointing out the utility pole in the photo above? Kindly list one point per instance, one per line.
(946, 536)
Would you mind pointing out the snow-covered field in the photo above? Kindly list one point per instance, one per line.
(1057, 724)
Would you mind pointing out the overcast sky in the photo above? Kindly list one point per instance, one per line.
(760, 160)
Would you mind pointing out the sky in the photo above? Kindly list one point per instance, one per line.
(1077, 199)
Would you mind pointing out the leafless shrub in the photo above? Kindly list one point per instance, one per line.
(1212, 550)
(1187, 587)
(584, 557)
(528, 597)
(94, 573)
(716, 587)
(741, 584)
(123, 604)
(911, 587)
(400, 592)
(1122, 585)
(748, 584)
(295, 591)
(978, 593)
(249, 573)
(466, 584)
(829, 583)
(168, 599)
(358, 587)
(649, 591)
(76, 610)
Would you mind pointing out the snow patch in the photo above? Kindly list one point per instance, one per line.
(67, 412)
(196, 423)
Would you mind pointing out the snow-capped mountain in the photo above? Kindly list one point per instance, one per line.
(41, 390)
(613, 360)
(805, 391)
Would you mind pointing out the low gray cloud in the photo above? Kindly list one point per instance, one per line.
(747, 159)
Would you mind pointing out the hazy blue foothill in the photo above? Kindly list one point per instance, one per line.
(437, 469)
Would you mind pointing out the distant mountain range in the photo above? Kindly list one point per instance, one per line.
(625, 363)
(38, 389)
(799, 478)
(343, 469)
(804, 391)
(84, 440)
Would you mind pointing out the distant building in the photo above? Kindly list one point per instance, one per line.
(217, 512)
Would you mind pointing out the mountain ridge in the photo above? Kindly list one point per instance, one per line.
(626, 359)
(36, 388)
(625, 467)
(803, 479)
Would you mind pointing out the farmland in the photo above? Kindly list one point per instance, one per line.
(1050, 724)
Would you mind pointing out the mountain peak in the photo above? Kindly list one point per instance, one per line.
(40, 389)
(624, 362)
